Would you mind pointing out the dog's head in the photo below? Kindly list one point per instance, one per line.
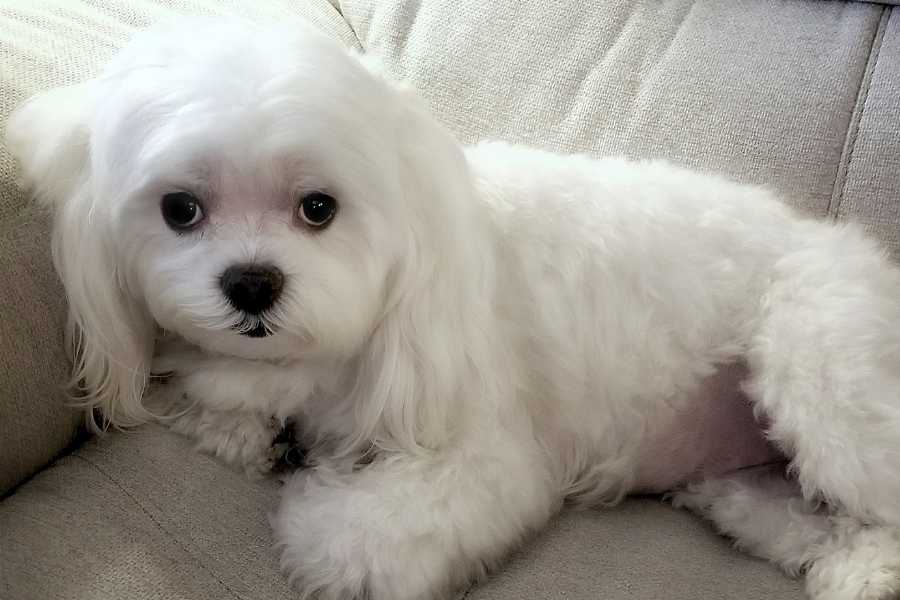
(259, 191)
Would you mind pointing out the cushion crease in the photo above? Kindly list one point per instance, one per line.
(159, 525)
(859, 107)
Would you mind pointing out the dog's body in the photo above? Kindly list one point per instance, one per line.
(479, 335)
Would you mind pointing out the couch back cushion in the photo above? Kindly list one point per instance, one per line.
(764, 91)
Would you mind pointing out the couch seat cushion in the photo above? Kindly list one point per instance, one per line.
(140, 515)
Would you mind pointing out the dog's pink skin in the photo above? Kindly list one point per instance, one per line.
(714, 434)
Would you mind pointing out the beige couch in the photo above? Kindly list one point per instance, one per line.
(803, 96)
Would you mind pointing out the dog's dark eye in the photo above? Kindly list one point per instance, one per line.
(317, 209)
(181, 210)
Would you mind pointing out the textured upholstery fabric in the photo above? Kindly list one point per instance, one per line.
(640, 549)
(871, 194)
(43, 44)
(35, 423)
(140, 516)
(760, 90)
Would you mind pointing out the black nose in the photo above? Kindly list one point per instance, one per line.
(252, 288)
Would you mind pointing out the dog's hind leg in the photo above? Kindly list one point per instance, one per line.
(825, 370)
(857, 562)
(766, 515)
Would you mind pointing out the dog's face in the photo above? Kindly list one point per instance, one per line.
(258, 209)
(249, 190)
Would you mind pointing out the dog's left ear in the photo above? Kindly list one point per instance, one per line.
(428, 360)
(48, 135)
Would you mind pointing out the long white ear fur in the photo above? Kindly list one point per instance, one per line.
(110, 336)
(429, 359)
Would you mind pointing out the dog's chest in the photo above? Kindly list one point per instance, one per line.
(711, 434)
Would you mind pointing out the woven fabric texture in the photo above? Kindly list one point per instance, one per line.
(871, 193)
(760, 90)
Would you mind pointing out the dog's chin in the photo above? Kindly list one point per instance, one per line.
(252, 343)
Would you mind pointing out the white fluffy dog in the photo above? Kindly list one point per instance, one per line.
(468, 337)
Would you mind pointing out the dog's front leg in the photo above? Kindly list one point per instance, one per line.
(408, 527)
(242, 438)
(233, 409)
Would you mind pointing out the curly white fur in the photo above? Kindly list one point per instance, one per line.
(480, 334)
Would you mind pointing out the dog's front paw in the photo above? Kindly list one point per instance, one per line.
(242, 439)
(345, 543)
(409, 527)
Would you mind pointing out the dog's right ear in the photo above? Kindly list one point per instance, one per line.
(49, 136)
(110, 334)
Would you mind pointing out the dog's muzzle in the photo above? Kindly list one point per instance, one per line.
(252, 289)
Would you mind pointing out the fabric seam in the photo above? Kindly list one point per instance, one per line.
(859, 109)
(340, 10)
(159, 525)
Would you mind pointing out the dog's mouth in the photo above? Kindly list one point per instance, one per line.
(260, 331)
(254, 329)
